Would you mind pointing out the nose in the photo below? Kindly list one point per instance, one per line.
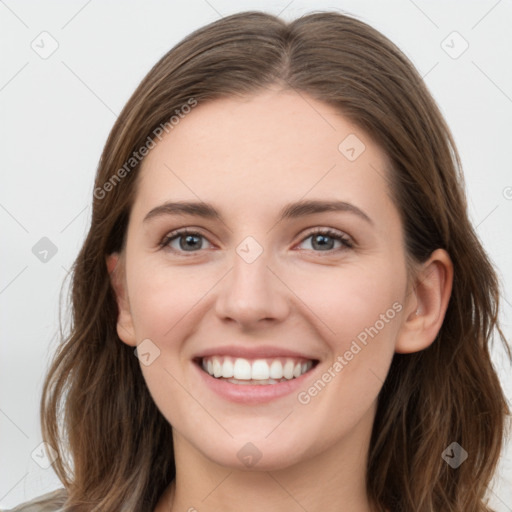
(252, 294)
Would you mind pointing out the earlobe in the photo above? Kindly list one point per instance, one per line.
(426, 304)
(125, 328)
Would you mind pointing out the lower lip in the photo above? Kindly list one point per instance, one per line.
(248, 394)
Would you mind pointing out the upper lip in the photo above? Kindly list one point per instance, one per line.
(260, 352)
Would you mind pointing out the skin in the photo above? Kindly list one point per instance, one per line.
(249, 157)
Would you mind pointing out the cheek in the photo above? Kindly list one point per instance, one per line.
(360, 314)
(162, 297)
(353, 302)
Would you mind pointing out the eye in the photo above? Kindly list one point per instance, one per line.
(183, 241)
(324, 240)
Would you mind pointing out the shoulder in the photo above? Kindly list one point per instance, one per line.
(49, 502)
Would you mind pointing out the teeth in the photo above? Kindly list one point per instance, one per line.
(253, 382)
(268, 371)
(242, 369)
(227, 369)
(288, 369)
(217, 367)
(260, 370)
(276, 370)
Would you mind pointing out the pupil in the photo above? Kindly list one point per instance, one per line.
(322, 241)
(189, 242)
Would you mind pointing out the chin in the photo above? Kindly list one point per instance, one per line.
(254, 455)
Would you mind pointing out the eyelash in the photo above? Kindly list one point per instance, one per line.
(345, 241)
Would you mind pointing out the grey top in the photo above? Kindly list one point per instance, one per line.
(49, 502)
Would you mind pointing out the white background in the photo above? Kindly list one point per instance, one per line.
(56, 114)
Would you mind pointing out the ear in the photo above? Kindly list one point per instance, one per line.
(125, 329)
(426, 303)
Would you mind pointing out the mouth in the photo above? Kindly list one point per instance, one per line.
(255, 372)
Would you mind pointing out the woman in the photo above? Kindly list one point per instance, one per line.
(281, 303)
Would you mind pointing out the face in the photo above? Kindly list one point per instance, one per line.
(313, 296)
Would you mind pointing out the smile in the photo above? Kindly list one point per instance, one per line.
(255, 371)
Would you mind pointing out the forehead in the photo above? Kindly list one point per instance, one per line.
(261, 149)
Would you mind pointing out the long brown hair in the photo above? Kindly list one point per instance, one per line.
(115, 446)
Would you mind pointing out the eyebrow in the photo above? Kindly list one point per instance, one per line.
(289, 211)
